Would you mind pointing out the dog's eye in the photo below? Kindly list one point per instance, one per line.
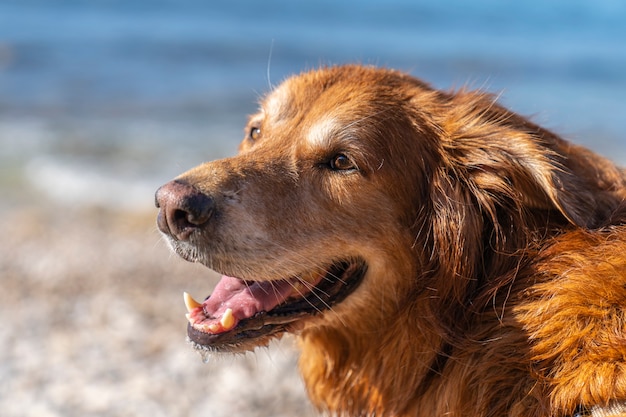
(341, 162)
(255, 133)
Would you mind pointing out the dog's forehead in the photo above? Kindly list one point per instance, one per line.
(328, 109)
(278, 103)
(313, 95)
(321, 131)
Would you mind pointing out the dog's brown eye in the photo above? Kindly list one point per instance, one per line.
(255, 133)
(341, 162)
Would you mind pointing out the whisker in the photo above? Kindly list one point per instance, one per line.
(269, 64)
(328, 275)
(312, 289)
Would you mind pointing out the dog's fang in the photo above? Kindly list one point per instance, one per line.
(228, 320)
(190, 303)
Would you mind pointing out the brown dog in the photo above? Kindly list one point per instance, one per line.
(435, 253)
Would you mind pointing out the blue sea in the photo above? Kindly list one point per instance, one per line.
(103, 100)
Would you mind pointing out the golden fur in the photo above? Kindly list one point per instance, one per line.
(496, 251)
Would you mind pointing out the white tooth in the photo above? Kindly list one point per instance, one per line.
(213, 328)
(190, 303)
(228, 320)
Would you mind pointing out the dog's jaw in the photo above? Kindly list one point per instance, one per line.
(241, 315)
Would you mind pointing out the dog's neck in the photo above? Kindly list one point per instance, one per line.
(346, 369)
(346, 366)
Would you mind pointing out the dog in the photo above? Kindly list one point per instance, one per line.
(435, 253)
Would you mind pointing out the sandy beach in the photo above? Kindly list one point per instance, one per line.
(93, 325)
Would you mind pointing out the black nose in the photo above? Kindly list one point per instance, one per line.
(183, 209)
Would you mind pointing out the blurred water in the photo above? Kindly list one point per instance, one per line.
(102, 100)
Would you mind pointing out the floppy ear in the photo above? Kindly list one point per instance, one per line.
(544, 173)
(491, 193)
(456, 229)
(505, 156)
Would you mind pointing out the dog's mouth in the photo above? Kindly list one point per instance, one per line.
(241, 315)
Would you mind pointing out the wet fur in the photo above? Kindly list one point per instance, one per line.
(496, 250)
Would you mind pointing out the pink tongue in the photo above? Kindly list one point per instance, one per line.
(246, 299)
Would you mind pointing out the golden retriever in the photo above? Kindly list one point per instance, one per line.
(435, 253)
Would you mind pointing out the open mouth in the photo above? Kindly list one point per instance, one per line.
(241, 315)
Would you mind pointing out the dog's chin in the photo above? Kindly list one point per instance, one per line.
(296, 307)
(189, 251)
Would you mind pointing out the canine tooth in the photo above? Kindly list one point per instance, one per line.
(190, 303)
(228, 320)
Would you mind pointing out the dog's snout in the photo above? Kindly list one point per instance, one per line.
(183, 209)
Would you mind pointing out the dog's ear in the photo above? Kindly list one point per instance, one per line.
(543, 173)
(518, 171)
(504, 156)
(494, 192)
(455, 231)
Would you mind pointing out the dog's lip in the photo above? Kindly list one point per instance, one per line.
(233, 317)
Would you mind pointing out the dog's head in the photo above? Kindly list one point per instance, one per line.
(354, 185)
